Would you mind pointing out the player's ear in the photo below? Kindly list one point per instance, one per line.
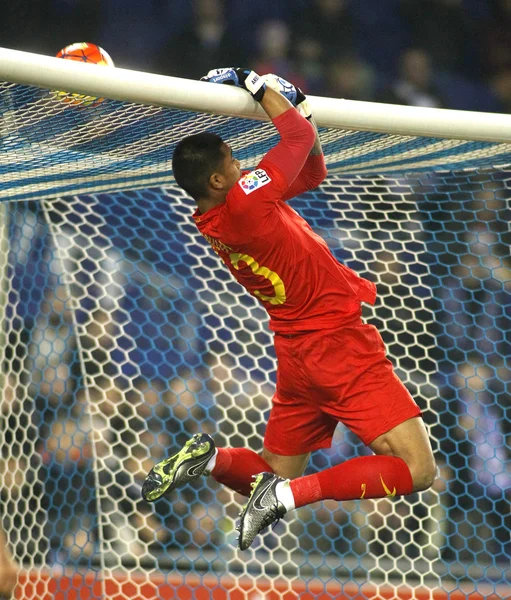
(216, 181)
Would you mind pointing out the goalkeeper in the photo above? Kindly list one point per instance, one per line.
(331, 366)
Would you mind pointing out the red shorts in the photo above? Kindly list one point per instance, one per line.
(327, 377)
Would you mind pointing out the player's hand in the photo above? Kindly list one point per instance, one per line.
(243, 78)
(293, 93)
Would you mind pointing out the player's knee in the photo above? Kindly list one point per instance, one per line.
(288, 471)
(423, 474)
(289, 467)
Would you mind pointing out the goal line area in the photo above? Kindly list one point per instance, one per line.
(122, 334)
(192, 587)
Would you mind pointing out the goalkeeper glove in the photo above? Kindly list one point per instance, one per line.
(243, 78)
(288, 90)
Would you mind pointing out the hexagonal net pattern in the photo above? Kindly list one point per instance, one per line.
(50, 147)
(123, 335)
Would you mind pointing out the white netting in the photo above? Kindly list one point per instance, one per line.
(123, 334)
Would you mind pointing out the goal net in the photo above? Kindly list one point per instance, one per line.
(122, 334)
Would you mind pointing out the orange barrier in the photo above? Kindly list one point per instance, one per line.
(89, 586)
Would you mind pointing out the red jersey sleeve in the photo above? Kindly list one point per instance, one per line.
(251, 201)
(313, 174)
(297, 138)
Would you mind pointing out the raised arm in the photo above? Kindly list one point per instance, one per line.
(296, 133)
(297, 136)
(274, 104)
(314, 170)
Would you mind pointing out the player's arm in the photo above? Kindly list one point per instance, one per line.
(274, 104)
(314, 170)
(297, 135)
(317, 149)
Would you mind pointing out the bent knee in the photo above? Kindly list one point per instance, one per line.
(288, 467)
(423, 475)
(288, 472)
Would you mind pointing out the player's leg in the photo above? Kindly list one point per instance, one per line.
(403, 464)
(410, 442)
(236, 467)
(288, 467)
(233, 467)
(296, 427)
(180, 468)
(376, 406)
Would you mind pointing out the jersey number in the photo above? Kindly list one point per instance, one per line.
(273, 278)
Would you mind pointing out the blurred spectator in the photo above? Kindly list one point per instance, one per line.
(447, 30)
(238, 399)
(308, 54)
(203, 45)
(22, 500)
(132, 32)
(322, 32)
(472, 291)
(415, 85)
(381, 34)
(46, 27)
(206, 524)
(462, 93)
(123, 450)
(328, 22)
(350, 78)
(273, 52)
(500, 84)
(69, 486)
(481, 414)
(478, 520)
(245, 16)
(494, 40)
(51, 352)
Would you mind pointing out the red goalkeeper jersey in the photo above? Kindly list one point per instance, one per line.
(272, 251)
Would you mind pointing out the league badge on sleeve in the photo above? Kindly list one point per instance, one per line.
(254, 180)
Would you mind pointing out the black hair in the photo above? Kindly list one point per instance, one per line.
(195, 159)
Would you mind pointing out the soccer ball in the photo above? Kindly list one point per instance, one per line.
(89, 53)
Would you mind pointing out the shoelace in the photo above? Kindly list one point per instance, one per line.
(274, 515)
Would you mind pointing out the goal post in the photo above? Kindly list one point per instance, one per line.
(172, 92)
(122, 334)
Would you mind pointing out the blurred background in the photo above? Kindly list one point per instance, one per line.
(444, 53)
(152, 303)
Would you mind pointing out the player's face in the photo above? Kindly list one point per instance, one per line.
(231, 167)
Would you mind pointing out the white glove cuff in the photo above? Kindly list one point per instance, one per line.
(303, 109)
(271, 81)
(254, 83)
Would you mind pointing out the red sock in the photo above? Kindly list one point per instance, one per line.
(235, 466)
(358, 478)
